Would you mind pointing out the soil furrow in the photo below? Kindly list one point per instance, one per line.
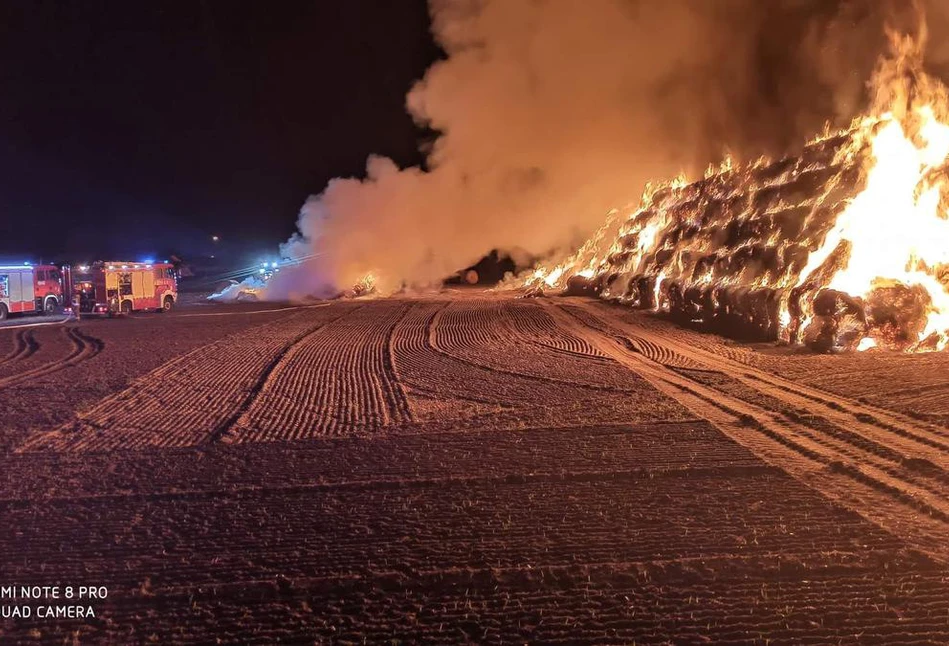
(487, 340)
(873, 424)
(228, 424)
(337, 381)
(842, 409)
(187, 400)
(851, 474)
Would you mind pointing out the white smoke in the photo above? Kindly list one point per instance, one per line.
(551, 112)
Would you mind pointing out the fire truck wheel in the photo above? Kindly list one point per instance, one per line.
(3, 312)
(167, 304)
(126, 307)
(49, 307)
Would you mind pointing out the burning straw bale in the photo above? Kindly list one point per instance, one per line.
(898, 312)
(842, 247)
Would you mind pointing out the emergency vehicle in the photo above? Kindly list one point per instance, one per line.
(119, 286)
(30, 289)
(48, 288)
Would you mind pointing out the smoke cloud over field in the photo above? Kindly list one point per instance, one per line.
(551, 112)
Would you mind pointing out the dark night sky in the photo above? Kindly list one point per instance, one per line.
(133, 128)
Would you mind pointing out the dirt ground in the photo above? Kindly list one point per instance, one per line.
(468, 467)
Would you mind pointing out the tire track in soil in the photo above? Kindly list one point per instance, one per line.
(428, 369)
(683, 356)
(532, 324)
(427, 378)
(504, 398)
(485, 335)
(871, 461)
(84, 347)
(25, 346)
(339, 380)
(190, 399)
(857, 372)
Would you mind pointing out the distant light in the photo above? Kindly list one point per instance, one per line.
(27, 264)
(273, 264)
(148, 261)
(214, 238)
(261, 271)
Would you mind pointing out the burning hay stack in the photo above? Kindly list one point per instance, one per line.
(845, 246)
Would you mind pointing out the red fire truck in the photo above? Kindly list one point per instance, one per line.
(120, 286)
(48, 291)
(30, 289)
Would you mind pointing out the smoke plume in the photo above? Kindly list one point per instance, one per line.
(552, 112)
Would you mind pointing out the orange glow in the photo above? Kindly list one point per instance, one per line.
(876, 228)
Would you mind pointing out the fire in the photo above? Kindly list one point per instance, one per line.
(365, 286)
(846, 246)
(895, 227)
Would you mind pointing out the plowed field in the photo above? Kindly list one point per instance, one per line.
(469, 468)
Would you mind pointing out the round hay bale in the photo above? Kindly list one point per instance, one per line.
(898, 314)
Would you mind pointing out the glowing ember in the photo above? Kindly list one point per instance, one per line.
(844, 247)
(866, 344)
(366, 285)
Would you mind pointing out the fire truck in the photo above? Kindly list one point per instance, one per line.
(48, 288)
(124, 287)
(30, 289)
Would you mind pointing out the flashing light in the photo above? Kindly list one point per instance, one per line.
(261, 271)
(274, 265)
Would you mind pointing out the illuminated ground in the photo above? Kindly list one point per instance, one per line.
(465, 467)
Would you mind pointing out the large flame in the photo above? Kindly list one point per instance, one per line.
(861, 258)
(896, 230)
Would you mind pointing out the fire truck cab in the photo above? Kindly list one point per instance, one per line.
(30, 289)
(118, 286)
(48, 289)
